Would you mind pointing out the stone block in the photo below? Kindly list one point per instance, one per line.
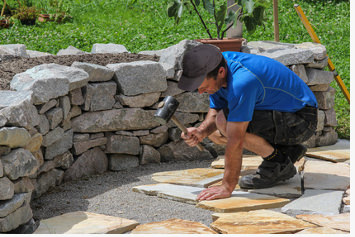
(290, 56)
(36, 54)
(74, 112)
(193, 102)
(48, 81)
(326, 175)
(138, 101)
(149, 155)
(173, 226)
(319, 64)
(85, 223)
(315, 201)
(17, 50)
(123, 145)
(339, 221)
(23, 185)
(7, 189)
(119, 162)
(92, 162)
(108, 48)
(82, 146)
(19, 163)
(61, 146)
(316, 76)
(325, 99)
(71, 50)
(34, 143)
(172, 89)
(43, 126)
(47, 180)
(132, 78)
(170, 71)
(21, 216)
(114, 120)
(55, 117)
(76, 97)
(14, 137)
(320, 122)
(47, 106)
(155, 140)
(319, 51)
(7, 207)
(97, 73)
(64, 103)
(300, 71)
(99, 96)
(319, 87)
(257, 222)
(53, 136)
(328, 137)
(330, 118)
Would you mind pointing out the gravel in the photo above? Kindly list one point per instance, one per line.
(111, 194)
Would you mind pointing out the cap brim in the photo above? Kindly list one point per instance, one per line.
(189, 83)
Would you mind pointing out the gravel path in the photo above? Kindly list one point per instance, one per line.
(111, 194)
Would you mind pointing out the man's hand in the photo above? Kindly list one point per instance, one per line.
(193, 136)
(215, 192)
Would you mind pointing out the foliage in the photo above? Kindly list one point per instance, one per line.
(26, 13)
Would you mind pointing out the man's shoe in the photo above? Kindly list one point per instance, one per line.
(269, 173)
(295, 152)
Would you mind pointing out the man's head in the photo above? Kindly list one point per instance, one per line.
(203, 67)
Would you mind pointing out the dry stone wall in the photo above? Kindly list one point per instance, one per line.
(61, 123)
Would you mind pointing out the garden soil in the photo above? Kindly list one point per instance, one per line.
(12, 66)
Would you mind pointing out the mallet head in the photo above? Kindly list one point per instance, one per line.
(166, 109)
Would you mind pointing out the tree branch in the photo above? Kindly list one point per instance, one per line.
(203, 23)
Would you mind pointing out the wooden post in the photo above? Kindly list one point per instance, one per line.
(276, 21)
(3, 8)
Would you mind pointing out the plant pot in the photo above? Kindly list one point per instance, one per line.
(28, 21)
(43, 17)
(225, 44)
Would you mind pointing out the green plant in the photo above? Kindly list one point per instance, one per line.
(24, 13)
(250, 12)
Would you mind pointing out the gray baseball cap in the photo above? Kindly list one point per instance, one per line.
(197, 63)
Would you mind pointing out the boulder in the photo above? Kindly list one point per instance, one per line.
(18, 50)
(7, 189)
(35, 54)
(108, 48)
(71, 50)
(149, 155)
(99, 96)
(14, 137)
(119, 162)
(123, 145)
(139, 101)
(97, 73)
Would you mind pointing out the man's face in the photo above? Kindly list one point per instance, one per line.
(212, 85)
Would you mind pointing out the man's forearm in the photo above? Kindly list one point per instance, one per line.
(208, 126)
(232, 165)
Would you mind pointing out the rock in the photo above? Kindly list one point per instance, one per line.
(181, 151)
(122, 162)
(7, 189)
(329, 137)
(55, 117)
(199, 177)
(149, 155)
(184, 118)
(319, 64)
(35, 54)
(139, 133)
(139, 101)
(316, 76)
(326, 175)
(14, 137)
(193, 102)
(18, 112)
(82, 146)
(172, 89)
(64, 161)
(39, 157)
(290, 56)
(53, 136)
(76, 97)
(71, 50)
(10, 206)
(319, 87)
(19, 163)
(174, 134)
(173, 226)
(170, 71)
(155, 140)
(27, 228)
(319, 51)
(34, 143)
(80, 137)
(23, 185)
(108, 48)
(122, 144)
(339, 222)
(93, 161)
(18, 50)
(46, 181)
(15, 219)
(320, 122)
(325, 99)
(4, 150)
(256, 47)
(47, 106)
(48, 81)
(132, 78)
(320, 230)
(315, 201)
(300, 71)
(43, 126)
(64, 103)
(87, 223)
(99, 96)
(339, 152)
(330, 118)
(257, 222)
(74, 111)
(60, 146)
(96, 72)
(113, 120)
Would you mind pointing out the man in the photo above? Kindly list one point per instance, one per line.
(256, 103)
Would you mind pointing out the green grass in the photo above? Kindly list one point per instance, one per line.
(145, 26)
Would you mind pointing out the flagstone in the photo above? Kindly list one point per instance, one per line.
(173, 226)
(80, 222)
(257, 222)
(338, 152)
(199, 177)
(321, 230)
(315, 202)
(243, 201)
(339, 222)
(249, 163)
(326, 175)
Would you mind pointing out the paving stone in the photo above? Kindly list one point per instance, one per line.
(338, 152)
(257, 222)
(250, 163)
(339, 222)
(326, 175)
(243, 201)
(199, 177)
(173, 226)
(321, 230)
(80, 222)
(315, 201)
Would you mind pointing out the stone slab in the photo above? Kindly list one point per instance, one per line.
(338, 152)
(199, 177)
(339, 222)
(326, 175)
(257, 222)
(249, 163)
(85, 223)
(173, 226)
(315, 202)
(321, 230)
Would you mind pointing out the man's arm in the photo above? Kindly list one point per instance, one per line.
(233, 162)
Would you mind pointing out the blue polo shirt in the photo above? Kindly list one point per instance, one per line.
(256, 82)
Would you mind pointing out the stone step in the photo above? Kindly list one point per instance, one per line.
(173, 226)
(339, 222)
(81, 222)
(257, 222)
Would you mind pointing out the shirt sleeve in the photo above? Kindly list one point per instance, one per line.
(217, 101)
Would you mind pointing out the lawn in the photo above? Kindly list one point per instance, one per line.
(145, 26)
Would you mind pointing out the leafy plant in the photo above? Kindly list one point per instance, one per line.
(250, 12)
(24, 13)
